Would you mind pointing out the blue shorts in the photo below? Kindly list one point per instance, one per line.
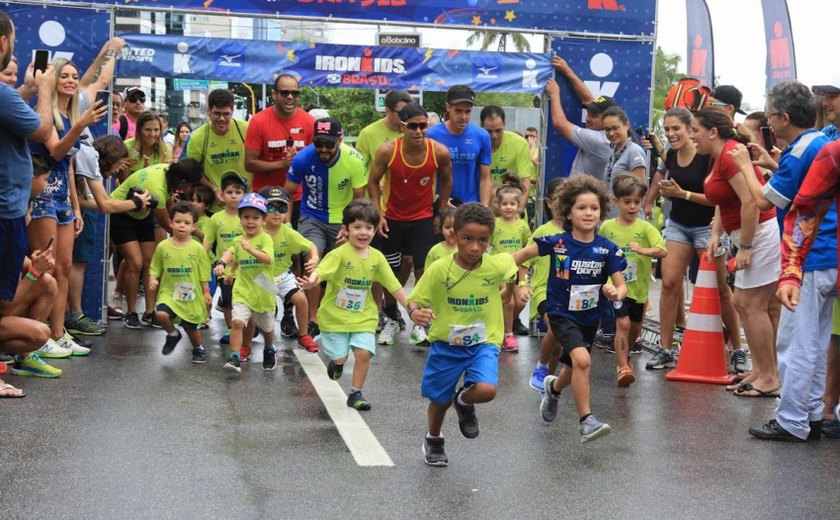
(695, 236)
(54, 208)
(337, 345)
(84, 247)
(446, 364)
(162, 307)
(15, 246)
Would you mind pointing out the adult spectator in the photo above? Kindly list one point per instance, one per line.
(469, 147)
(9, 75)
(729, 99)
(167, 134)
(182, 134)
(754, 233)
(147, 147)
(331, 174)
(412, 167)
(510, 152)
(831, 106)
(386, 129)
(627, 156)
(532, 135)
(593, 146)
(134, 102)
(220, 144)
(133, 233)
(275, 135)
(116, 107)
(687, 232)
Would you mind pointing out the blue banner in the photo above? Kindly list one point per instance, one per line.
(700, 62)
(619, 69)
(325, 65)
(781, 57)
(603, 16)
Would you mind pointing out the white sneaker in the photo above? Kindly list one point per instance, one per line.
(75, 349)
(52, 349)
(418, 335)
(389, 332)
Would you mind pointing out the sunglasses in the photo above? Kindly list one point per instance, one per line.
(329, 145)
(278, 208)
(137, 100)
(415, 126)
(287, 93)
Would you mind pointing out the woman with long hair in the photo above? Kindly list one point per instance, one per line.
(627, 155)
(182, 132)
(147, 148)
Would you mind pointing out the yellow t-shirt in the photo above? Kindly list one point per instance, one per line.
(182, 271)
(203, 225)
(637, 273)
(222, 230)
(541, 266)
(219, 153)
(513, 155)
(509, 237)
(437, 252)
(287, 242)
(254, 280)
(151, 179)
(347, 305)
(462, 298)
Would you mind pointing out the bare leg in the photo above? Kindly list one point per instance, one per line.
(832, 379)
(507, 303)
(130, 269)
(298, 300)
(479, 393)
(22, 335)
(622, 341)
(436, 414)
(236, 332)
(673, 273)
(77, 283)
(753, 305)
(148, 250)
(728, 313)
(361, 367)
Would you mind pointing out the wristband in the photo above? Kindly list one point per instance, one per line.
(34, 272)
(206, 290)
(523, 283)
(688, 195)
(410, 311)
(31, 276)
(746, 247)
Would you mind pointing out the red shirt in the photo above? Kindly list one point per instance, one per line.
(409, 189)
(717, 189)
(269, 135)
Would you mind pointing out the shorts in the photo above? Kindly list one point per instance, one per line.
(125, 229)
(226, 299)
(162, 307)
(84, 247)
(319, 233)
(337, 345)
(541, 308)
(287, 285)
(570, 335)
(629, 307)
(263, 320)
(765, 260)
(445, 364)
(413, 239)
(57, 209)
(695, 236)
(15, 246)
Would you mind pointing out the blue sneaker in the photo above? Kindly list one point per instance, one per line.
(831, 429)
(537, 379)
(225, 339)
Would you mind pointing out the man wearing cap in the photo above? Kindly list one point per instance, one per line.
(412, 167)
(729, 98)
(275, 135)
(593, 147)
(469, 147)
(330, 175)
(831, 106)
(134, 102)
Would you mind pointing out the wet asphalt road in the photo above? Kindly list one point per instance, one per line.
(128, 433)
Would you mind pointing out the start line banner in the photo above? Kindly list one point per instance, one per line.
(328, 65)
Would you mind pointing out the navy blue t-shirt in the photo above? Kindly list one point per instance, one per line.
(469, 150)
(578, 270)
(17, 121)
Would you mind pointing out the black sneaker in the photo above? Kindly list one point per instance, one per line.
(148, 319)
(288, 327)
(81, 341)
(662, 359)
(433, 454)
(356, 400)
(519, 329)
(636, 348)
(334, 371)
(199, 356)
(313, 329)
(233, 364)
(773, 431)
(738, 361)
(269, 359)
(467, 420)
(815, 433)
(171, 342)
(132, 321)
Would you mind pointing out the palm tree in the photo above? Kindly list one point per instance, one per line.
(488, 38)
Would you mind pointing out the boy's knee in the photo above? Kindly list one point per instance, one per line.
(237, 324)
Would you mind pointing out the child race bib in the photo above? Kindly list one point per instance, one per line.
(183, 292)
(285, 278)
(351, 299)
(468, 335)
(630, 272)
(584, 297)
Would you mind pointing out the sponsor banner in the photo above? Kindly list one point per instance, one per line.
(700, 44)
(325, 65)
(619, 69)
(781, 58)
(634, 17)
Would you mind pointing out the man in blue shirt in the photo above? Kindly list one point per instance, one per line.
(469, 145)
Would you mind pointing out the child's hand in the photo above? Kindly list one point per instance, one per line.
(247, 246)
(611, 292)
(219, 270)
(311, 264)
(154, 283)
(635, 247)
(422, 316)
(305, 282)
(208, 298)
(523, 294)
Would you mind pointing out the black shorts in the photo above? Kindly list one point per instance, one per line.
(226, 299)
(125, 229)
(541, 308)
(413, 239)
(162, 307)
(570, 335)
(629, 307)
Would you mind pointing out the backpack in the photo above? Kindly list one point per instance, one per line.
(688, 93)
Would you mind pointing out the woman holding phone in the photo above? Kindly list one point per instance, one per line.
(687, 232)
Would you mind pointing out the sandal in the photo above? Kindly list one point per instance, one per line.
(736, 383)
(755, 392)
(7, 387)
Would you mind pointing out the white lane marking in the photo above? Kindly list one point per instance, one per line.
(361, 442)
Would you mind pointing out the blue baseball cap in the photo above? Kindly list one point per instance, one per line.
(253, 200)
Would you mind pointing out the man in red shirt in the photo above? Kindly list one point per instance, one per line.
(275, 135)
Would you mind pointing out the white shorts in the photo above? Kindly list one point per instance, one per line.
(243, 313)
(286, 284)
(766, 258)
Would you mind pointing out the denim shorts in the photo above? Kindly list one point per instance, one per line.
(56, 209)
(695, 236)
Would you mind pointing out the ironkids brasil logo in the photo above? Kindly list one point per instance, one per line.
(359, 70)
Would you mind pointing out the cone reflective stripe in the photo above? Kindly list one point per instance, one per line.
(702, 358)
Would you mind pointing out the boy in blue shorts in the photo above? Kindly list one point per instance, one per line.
(462, 292)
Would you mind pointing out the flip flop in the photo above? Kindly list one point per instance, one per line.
(736, 383)
(743, 389)
(13, 396)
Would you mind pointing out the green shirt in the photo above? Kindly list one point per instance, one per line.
(348, 305)
(164, 157)
(219, 153)
(637, 273)
(541, 266)
(222, 230)
(182, 271)
(203, 225)
(287, 242)
(509, 237)
(151, 179)
(437, 252)
(254, 280)
(461, 298)
(372, 137)
(513, 155)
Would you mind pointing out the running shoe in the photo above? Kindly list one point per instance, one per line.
(81, 341)
(199, 356)
(115, 307)
(132, 321)
(738, 361)
(356, 400)
(269, 359)
(225, 339)
(288, 327)
(831, 429)
(433, 453)
(84, 326)
(509, 344)
(170, 343)
(550, 402)
(591, 429)
(6, 358)
(244, 353)
(308, 344)
(334, 371)
(537, 378)
(150, 320)
(52, 349)
(662, 359)
(467, 420)
(115, 314)
(381, 322)
(418, 335)
(519, 329)
(313, 329)
(636, 347)
(389, 332)
(625, 377)
(68, 343)
(33, 365)
(233, 364)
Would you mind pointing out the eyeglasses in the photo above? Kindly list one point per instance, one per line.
(278, 208)
(530, 136)
(320, 143)
(612, 129)
(286, 93)
(415, 126)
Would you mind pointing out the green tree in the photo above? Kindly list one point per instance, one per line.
(500, 38)
(666, 74)
(353, 107)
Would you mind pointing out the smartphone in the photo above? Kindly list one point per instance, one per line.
(666, 182)
(768, 138)
(50, 242)
(102, 96)
(42, 57)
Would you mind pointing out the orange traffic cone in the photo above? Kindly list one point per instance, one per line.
(702, 357)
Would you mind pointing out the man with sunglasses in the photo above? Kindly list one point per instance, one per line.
(729, 98)
(386, 129)
(412, 166)
(328, 174)
(134, 102)
(275, 135)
